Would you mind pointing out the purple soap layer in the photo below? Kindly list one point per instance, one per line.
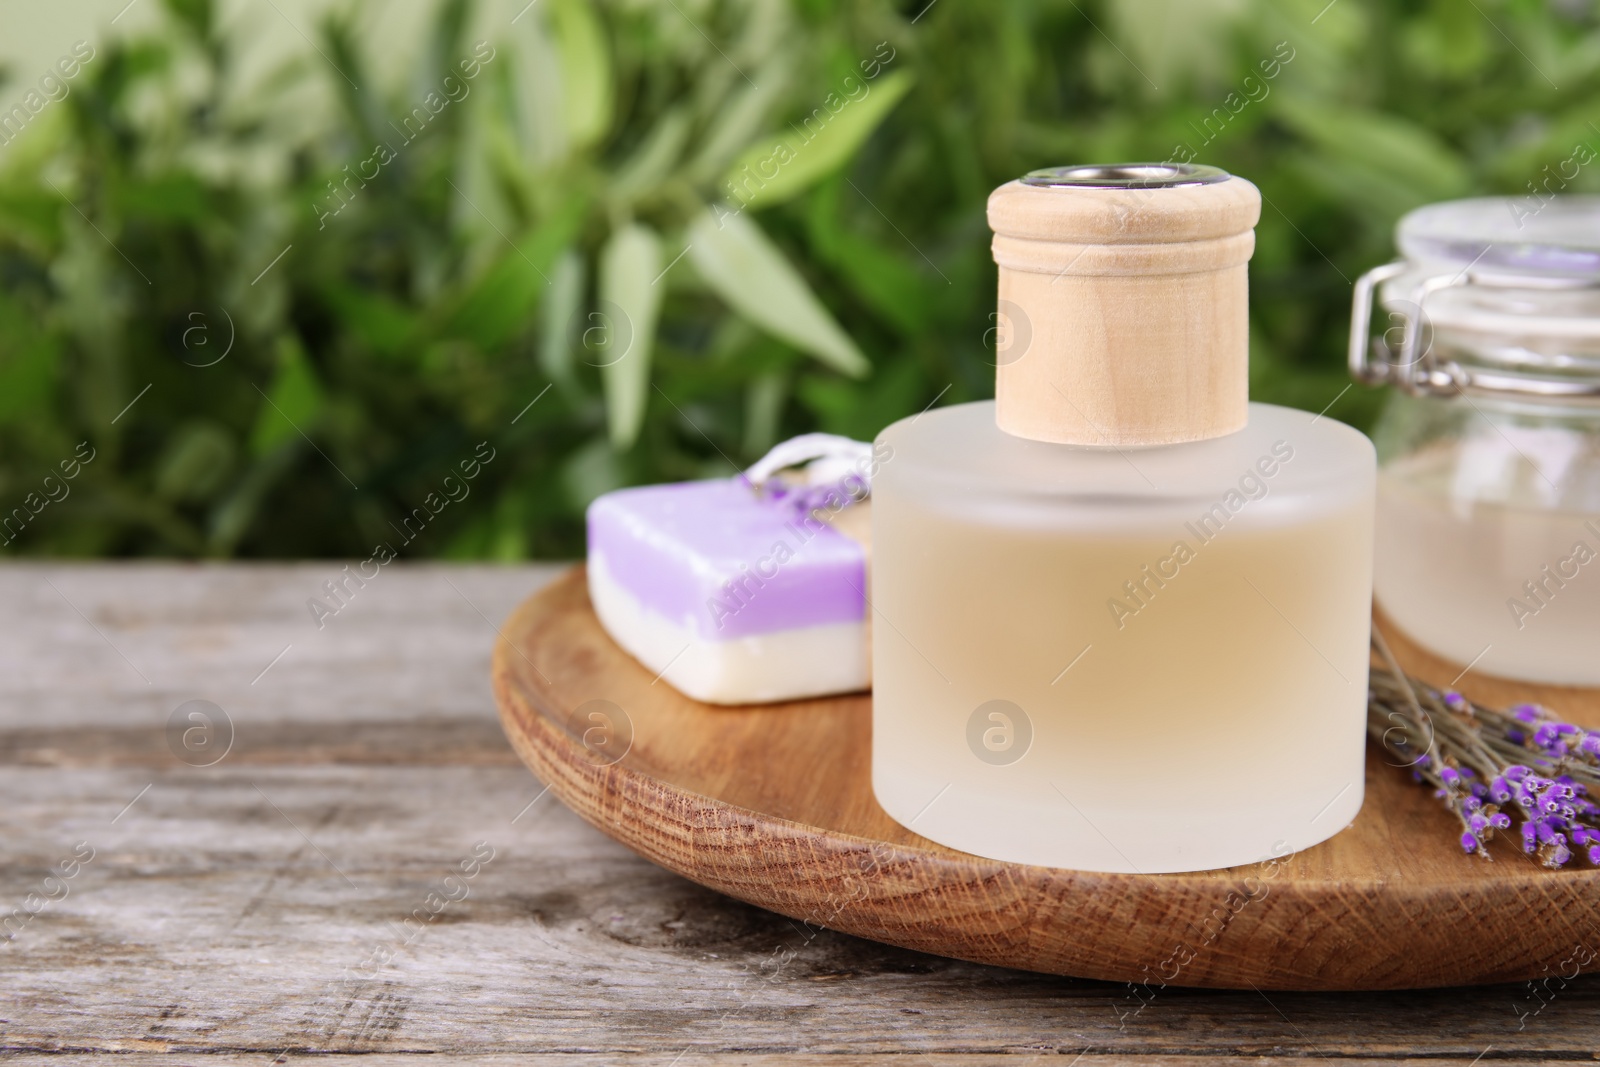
(723, 562)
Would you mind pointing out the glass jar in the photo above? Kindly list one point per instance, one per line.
(1488, 517)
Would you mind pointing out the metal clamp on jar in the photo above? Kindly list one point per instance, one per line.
(1488, 522)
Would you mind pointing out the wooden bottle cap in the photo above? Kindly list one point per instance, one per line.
(1123, 307)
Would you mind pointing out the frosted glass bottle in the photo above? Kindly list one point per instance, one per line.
(1128, 656)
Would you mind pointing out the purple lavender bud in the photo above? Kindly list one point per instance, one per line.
(1454, 701)
(1528, 834)
(1500, 790)
(1594, 855)
(1450, 776)
(1516, 772)
(1468, 843)
(1479, 823)
(1526, 712)
(1500, 821)
(1590, 745)
(1516, 737)
(1545, 736)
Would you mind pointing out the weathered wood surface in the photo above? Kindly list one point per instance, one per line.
(234, 911)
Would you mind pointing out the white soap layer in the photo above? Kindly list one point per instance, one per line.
(792, 664)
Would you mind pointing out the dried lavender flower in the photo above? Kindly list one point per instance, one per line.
(1492, 771)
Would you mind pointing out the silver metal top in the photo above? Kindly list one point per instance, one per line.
(1127, 176)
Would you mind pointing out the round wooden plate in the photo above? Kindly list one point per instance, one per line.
(773, 805)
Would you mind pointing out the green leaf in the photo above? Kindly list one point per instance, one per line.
(502, 301)
(739, 118)
(586, 77)
(1173, 45)
(753, 275)
(28, 358)
(442, 47)
(169, 198)
(234, 515)
(764, 399)
(591, 470)
(897, 390)
(384, 324)
(781, 168)
(655, 157)
(347, 72)
(630, 266)
(502, 534)
(883, 280)
(1367, 155)
(31, 215)
(291, 405)
(556, 318)
(195, 463)
(531, 73)
(198, 14)
(1454, 42)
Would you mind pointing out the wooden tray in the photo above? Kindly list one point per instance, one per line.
(774, 806)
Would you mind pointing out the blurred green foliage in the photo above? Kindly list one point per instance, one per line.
(558, 228)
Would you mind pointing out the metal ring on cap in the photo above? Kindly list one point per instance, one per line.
(1127, 176)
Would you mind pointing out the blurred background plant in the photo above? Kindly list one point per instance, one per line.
(629, 240)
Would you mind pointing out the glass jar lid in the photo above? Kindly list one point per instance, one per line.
(1494, 296)
(1514, 240)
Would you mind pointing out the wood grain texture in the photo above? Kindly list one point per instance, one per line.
(1123, 314)
(1576, 704)
(774, 806)
(208, 930)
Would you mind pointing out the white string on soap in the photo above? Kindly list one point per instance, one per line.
(825, 461)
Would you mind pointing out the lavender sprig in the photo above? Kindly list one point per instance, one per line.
(1519, 771)
(802, 499)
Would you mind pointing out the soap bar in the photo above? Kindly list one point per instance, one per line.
(733, 595)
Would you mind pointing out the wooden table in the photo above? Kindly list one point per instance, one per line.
(309, 896)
